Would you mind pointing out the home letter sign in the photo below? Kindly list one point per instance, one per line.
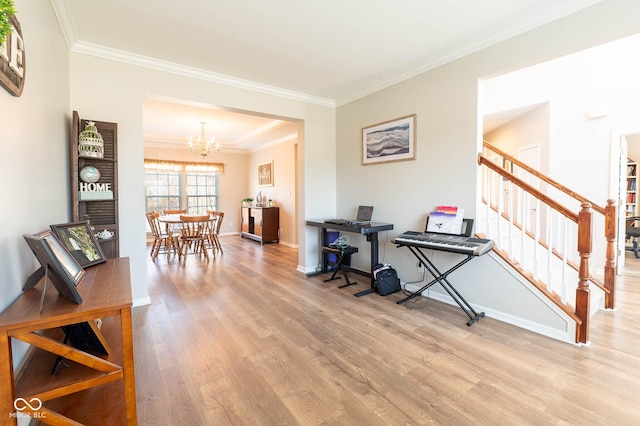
(12, 60)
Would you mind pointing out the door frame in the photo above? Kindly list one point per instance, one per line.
(618, 188)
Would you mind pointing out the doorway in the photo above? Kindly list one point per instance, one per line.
(243, 139)
(627, 175)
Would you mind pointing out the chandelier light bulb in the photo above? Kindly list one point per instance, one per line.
(202, 146)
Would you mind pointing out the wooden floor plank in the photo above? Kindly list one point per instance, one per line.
(246, 339)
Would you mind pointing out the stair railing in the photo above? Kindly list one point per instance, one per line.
(559, 242)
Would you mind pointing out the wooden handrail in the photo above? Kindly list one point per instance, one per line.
(544, 177)
(585, 234)
(528, 188)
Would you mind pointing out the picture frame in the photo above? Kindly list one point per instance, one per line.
(265, 173)
(57, 263)
(390, 141)
(78, 239)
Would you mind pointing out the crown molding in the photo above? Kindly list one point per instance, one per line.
(191, 72)
(64, 20)
(560, 10)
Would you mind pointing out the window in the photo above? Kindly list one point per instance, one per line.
(202, 188)
(162, 190)
(181, 185)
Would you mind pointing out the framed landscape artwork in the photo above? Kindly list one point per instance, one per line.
(393, 140)
(265, 173)
(80, 242)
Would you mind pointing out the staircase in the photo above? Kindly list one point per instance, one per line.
(561, 243)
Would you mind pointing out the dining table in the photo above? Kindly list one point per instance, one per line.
(174, 219)
(174, 222)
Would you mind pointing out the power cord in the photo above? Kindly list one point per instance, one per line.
(340, 242)
(420, 301)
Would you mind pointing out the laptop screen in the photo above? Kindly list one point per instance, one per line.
(365, 213)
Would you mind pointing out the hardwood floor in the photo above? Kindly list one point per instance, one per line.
(245, 339)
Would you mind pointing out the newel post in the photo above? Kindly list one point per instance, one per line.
(583, 295)
(610, 220)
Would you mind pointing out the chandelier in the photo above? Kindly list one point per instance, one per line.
(202, 146)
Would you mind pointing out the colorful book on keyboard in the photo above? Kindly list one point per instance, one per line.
(446, 220)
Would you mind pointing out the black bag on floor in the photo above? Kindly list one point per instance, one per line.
(386, 279)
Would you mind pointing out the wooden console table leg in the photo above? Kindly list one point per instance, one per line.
(6, 381)
(129, 372)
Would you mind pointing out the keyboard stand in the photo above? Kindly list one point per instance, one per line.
(441, 277)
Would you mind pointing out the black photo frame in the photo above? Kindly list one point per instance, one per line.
(80, 242)
(61, 268)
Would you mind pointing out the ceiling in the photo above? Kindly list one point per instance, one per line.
(169, 123)
(326, 52)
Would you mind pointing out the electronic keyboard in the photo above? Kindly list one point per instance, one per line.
(451, 243)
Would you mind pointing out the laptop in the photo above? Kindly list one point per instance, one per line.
(365, 213)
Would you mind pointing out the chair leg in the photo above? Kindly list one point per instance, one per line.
(346, 278)
(344, 274)
(155, 248)
(335, 271)
(636, 251)
(218, 245)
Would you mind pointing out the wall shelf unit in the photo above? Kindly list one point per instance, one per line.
(631, 206)
(101, 213)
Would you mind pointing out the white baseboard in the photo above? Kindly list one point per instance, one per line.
(567, 335)
(142, 302)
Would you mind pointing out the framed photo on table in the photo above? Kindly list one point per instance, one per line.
(60, 267)
(265, 173)
(80, 242)
(393, 140)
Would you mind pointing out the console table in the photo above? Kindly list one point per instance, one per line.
(106, 295)
(261, 224)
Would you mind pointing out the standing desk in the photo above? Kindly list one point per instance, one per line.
(370, 230)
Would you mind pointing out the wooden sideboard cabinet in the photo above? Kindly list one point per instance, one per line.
(261, 224)
(105, 379)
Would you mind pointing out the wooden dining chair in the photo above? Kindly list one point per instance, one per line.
(178, 211)
(215, 231)
(194, 235)
(164, 241)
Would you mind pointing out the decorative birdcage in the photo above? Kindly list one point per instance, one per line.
(90, 143)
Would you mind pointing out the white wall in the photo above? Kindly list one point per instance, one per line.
(113, 91)
(633, 142)
(283, 191)
(529, 129)
(35, 158)
(599, 80)
(448, 108)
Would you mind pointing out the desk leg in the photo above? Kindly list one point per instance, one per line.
(6, 381)
(128, 366)
(324, 242)
(373, 240)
